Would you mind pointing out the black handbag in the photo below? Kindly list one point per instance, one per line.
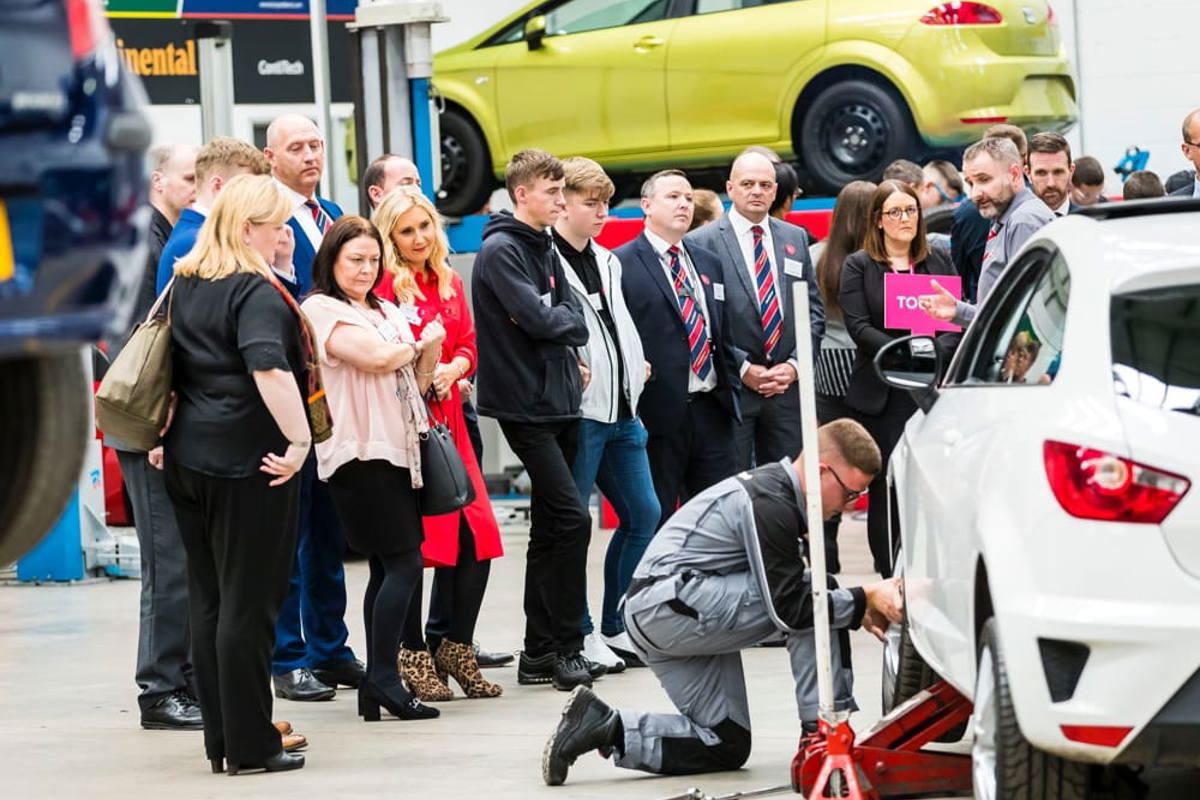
(447, 486)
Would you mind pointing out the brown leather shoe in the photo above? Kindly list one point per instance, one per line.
(294, 741)
(283, 726)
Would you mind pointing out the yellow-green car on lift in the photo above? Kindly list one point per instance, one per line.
(844, 86)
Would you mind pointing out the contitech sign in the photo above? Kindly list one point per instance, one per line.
(280, 67)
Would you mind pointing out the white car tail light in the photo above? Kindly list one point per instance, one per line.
(962, 13)
(1093, 484)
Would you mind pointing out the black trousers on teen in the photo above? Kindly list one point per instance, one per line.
(240, 538)
(559, 531)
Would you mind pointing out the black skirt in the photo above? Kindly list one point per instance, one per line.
(378, 507)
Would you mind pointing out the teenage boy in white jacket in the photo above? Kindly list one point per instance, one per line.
(611, 451)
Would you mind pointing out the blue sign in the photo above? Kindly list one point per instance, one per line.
(263, 9)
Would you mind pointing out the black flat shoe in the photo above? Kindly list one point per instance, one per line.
(396, 699)
(280, 762)
(488, 659)
(301, 684)
(176, 711)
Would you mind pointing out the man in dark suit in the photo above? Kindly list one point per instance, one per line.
(1048, 168)
(1191, 151)
(676, 296)
(763, 257)
(311, 655)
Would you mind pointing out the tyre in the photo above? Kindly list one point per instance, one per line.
(904, 671)
(1004, 766)
(851, 131)
(466, 166)
(44, 428)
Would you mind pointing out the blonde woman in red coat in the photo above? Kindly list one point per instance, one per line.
(460, 545)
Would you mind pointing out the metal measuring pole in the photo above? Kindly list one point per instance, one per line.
(812, 481)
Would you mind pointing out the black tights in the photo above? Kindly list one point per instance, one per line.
(393, 588)
(456, 600)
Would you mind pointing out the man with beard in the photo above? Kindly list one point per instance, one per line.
(993, 169)
(1050, 168)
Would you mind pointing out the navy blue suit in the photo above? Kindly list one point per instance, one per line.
(691, 435)
(311, 628)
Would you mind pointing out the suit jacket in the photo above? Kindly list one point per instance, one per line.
(1187, 190)
(305, 253)
(742, 314)
(655, 311)
(861, 298)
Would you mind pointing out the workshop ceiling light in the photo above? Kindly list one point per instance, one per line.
(964, 13)
(1093, 484)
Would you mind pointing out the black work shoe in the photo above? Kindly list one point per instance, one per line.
(344, 673)
(174, 712)
(587, 724)
(486, 659)
(301, 684)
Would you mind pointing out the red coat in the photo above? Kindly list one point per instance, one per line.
(441, 532)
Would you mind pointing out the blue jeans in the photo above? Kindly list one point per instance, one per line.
(612, 455)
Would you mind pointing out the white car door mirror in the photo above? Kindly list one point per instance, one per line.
(912, 363)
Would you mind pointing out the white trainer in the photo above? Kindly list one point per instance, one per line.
(594, 649)
(622, 648)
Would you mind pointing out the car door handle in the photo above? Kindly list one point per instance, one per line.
(649, 43)
(950, 438)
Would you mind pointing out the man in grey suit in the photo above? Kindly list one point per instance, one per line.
(762, 257)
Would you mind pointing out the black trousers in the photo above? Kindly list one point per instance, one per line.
(240, 537)
(163, 661)
(694, 456)
(885, 428)
(559, 531)
(769, 430)
(457, 595)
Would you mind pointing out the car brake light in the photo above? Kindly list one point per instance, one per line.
(1103, 735)
(1092, 484)
(962, 13)
(86, 24)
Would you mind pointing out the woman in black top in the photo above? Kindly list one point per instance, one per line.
(894, 241)
(238, 435)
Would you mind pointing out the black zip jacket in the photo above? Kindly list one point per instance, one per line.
(527, 324)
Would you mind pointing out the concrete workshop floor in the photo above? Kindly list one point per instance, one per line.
(69, 716)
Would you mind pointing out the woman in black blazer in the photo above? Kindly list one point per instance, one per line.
(894, 241)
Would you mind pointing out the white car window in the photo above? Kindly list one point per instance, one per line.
(1155, 347)
(1020, 343)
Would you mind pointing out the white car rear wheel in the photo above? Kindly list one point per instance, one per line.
(1005, 766)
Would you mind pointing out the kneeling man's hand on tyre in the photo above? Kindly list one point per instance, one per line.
(886, 598)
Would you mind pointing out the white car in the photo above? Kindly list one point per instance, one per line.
(1048, 537)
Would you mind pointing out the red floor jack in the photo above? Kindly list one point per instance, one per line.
(888, 761)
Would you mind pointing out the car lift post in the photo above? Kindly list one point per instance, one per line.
(393, 108)
(888, 762)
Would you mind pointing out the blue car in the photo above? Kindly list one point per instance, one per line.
(73, 217)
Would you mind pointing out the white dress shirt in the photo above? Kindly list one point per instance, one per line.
(1196, 187)
(1065, 208)
(303, 214)
(661, 246)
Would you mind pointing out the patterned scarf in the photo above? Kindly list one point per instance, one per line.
(319, 419)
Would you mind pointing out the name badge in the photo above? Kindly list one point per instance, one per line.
(389, 331)
(410, 313)
(719, 291)
(594, 299)
(793, 267)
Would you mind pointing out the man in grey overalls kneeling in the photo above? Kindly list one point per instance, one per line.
(726, 572)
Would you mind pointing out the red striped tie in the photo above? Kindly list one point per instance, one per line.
(768, 298)
(319, 215)
(693, 320)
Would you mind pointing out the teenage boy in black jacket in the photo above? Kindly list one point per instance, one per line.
(529, 378)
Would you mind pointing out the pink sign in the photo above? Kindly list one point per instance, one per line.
(901, 303)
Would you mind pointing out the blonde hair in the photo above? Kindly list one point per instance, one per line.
(397, 203)
(224, 154)
(220, 250)
(586, 177)
(851, 440)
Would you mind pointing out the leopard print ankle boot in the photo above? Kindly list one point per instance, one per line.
(416, 668)
(458, 660)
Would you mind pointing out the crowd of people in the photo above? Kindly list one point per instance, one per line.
(313, 350)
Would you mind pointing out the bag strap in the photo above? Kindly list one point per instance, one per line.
(167, 295)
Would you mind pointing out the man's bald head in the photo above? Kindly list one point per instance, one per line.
(172, 179)
(296, 152)
(386, 173)
(1191, 138)
(751, 185)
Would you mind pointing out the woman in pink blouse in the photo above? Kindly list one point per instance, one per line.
(459, 545)
(375, 372)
